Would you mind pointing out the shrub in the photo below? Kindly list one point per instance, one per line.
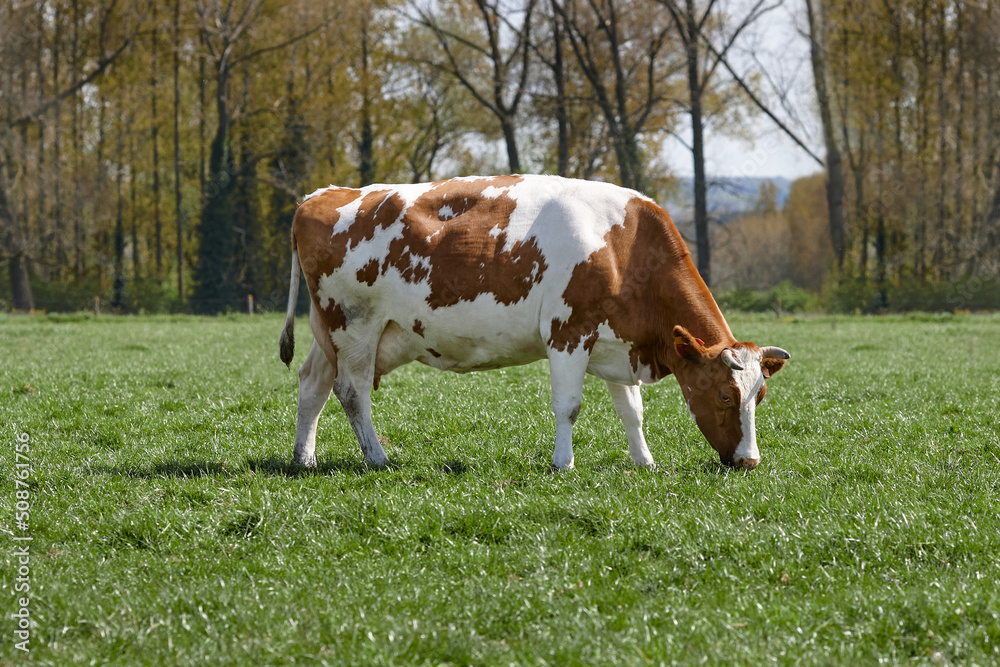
(793, 299)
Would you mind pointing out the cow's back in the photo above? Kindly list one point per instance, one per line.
(481, 263)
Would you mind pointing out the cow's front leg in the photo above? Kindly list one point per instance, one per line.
(628, 405)
(356, 397)
(566, 371)
(316, 377)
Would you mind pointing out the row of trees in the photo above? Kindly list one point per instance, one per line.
(910, 107)
(156, 151)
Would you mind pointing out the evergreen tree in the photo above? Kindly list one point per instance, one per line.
(215, 272)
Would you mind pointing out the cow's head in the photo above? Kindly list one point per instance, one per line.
(722, 387)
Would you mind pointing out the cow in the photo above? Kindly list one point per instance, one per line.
(479, 273)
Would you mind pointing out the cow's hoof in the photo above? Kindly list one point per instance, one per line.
(569, 466)
(305, 462)
(377, 464)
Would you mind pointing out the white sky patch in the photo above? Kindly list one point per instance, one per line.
(776, 44)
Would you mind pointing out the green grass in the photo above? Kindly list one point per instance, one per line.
(169, 528)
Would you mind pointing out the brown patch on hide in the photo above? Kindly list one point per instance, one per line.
(453, 239)
(321, 252)
(640, 283)
(368, 273)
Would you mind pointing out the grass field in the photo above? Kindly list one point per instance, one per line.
(168, 527)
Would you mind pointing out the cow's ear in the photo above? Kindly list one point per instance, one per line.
(771, 365)
(687, 346)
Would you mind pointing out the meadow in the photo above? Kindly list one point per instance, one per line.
(168, 526)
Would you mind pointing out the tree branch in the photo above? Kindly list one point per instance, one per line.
(760, 104)
(55, 99)
(277, 47)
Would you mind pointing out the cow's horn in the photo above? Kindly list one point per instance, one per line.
(729, 359)
(771, 352)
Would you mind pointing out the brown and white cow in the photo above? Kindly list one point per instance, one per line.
(486, 272)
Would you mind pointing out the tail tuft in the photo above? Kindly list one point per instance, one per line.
(286, 343)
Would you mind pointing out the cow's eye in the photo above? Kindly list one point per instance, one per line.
(724, 397)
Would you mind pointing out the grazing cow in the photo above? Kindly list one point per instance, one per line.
(486, 272)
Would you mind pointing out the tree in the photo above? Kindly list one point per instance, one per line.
(217, 272)
(491, 61)
(622, 59)
(818, 37)
(178, 197)
(28, 109)
(692, 30)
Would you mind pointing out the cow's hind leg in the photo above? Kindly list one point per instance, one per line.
(566, 371)
(628, 405)
(316, 378)
(353, 387)
(355, 395)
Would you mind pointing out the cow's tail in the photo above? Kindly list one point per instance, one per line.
(286, 344)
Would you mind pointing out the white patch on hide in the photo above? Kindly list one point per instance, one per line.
(749, 381)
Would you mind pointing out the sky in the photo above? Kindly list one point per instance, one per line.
(784, 53)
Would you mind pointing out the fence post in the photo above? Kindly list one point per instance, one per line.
(250, 304)
(97, 306)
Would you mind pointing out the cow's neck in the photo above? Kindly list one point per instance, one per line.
(690, 304)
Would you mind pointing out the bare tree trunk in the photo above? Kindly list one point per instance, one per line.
(977, 130)
(154, 83)
(881, 296)
(958, 242)
(102, 187)
(366, 144)
(17, 267)
(562, 110)
(942, 223)
(695, 88)
(42, 184)
(178, 209)
(900, 207)
(133, 207)
(78, 235)
(118, 295)
(58, 224)
(834, 163)
(862, 220)
(202, 123)
(510, 140)
(920, 263)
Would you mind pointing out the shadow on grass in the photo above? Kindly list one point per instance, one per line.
(272, 466)
(454, 467)
(279, 466)
(168, 469)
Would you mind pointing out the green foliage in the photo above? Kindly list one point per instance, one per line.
(793, 299)
(854, 295)
(169, 528)
(145, 295)
(217, 269)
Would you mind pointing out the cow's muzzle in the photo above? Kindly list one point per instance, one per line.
(745, 464)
